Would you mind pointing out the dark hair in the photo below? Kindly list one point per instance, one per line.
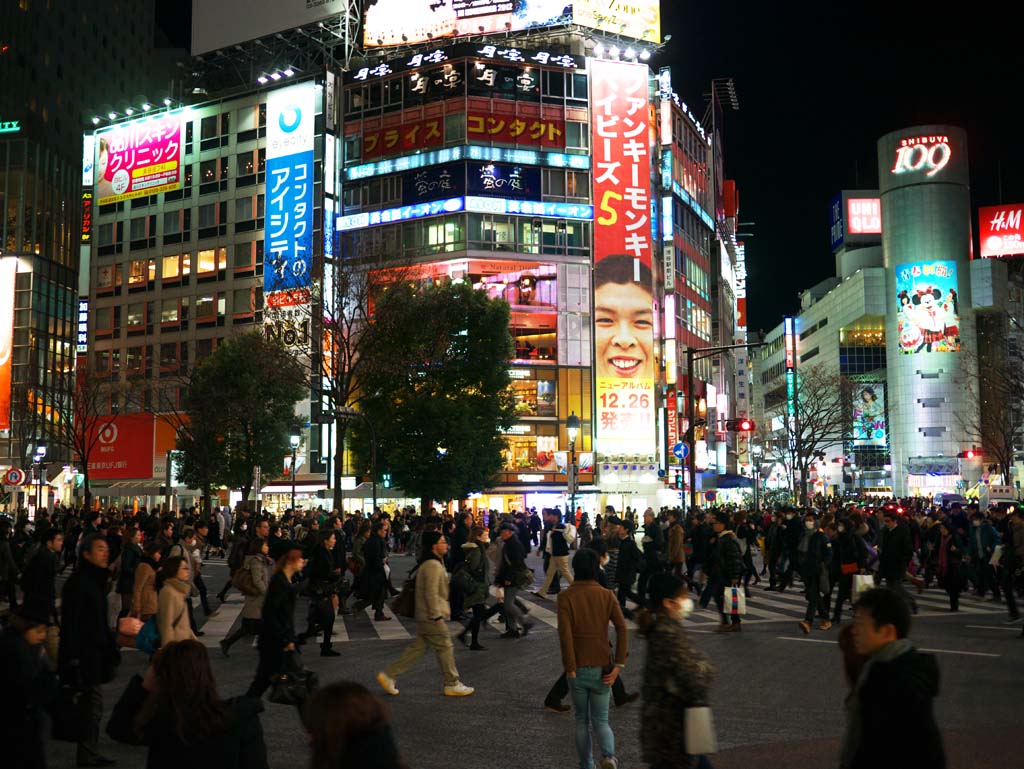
(129, 532)
(586, 564)
(886, 608)
(255, 546)
(325, 535)
(476, 532)
(349, 727)
(619, 268)
(169, 567)
(379, 526)
(599, 546)
(89, 540)
(187, 692)
(151, 547)
(52, 534)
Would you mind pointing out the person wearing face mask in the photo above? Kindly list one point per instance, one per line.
(815, 555)
(676, 676)
(950, 563)
(849, 557)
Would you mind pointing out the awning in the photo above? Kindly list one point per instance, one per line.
(729, 481)
(138, 488)
(286, 488)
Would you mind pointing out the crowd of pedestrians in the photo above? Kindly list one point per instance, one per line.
(654, 567)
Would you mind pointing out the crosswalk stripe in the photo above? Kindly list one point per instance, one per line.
(542, 613)
(215, 629)
(388, 631)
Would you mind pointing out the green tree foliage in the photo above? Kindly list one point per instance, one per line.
(436, 389)
(239, 407)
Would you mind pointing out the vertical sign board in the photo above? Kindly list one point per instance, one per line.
(8, 270)
(287, 275)
(623, 280)
(789, 327)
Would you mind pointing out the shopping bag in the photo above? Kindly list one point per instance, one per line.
(861, 583)
(700, 732)
(148, 638)
(735, 604)
(997, 556)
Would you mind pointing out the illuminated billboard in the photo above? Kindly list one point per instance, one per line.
(623, 280)
(869, 427)
(221, 23)
(139, 158)
(8, 269)
(928, 307)
(123, 447)
(640, 20)
(999, 230)
(864, 216)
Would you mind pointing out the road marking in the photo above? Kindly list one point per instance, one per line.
(805, 640)
(920, 649)
(1011, 628)
(388, 631)
(541, 613)
(217, 628)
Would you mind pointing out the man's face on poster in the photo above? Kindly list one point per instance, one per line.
(624, 331)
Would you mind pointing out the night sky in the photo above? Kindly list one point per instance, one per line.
(818, 83)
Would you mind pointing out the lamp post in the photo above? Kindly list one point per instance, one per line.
(349, 412)
(294, 439)
(572, 427)
(40, 455)
(756, 452)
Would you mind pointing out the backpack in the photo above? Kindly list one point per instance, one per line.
(404, 604)
(242, 579)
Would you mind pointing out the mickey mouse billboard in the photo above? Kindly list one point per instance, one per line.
(928, 307)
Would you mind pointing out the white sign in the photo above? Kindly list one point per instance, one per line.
(218, 24)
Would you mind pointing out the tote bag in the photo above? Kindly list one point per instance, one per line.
(700, 732)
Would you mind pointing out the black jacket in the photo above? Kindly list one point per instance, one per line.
(896, 551)
(277, 619)
(320, 572)
(793, 533)
(513, 561)
(88, 654)
(654, 544)
(131, 556)
(725, 560)
(27, 686)
(39, 583)
(819, 553)
(898, 728)
(629, 560)
(848, 547)
(240, 747)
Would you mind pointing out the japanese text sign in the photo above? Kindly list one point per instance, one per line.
(515, 129)
(139, 158)
(409, 136)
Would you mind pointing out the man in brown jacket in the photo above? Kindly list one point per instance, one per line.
(676, 550)
(584, 611)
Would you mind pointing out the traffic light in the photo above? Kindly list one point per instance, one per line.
(740, 425)
(679, 480)
(386, 477)
(969, 454)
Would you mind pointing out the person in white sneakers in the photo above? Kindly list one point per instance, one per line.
(432, 611)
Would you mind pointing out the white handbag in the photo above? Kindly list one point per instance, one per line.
(700, 732)
(861, 583)
(735, 602)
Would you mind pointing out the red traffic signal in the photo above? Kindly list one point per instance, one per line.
(969, 454)
(740, 425)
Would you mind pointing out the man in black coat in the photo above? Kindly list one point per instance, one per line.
(815, 551)
(654, 551)
(895, 551)
(510, 576)
(627, 567)
(792, 533)
(724, 568)
(39, 580)
(88, 655)
(373, 578)
(891, 718)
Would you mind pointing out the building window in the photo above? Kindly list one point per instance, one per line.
(141, 271)
(241, 301)
(171, 267)
(211, 260)
(169, 311)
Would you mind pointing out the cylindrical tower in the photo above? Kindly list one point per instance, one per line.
(930, 332)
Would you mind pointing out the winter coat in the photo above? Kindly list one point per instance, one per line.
(144, 598)
(373, 578)
(895, 552)
(191, 556)
(629, 560)
(39, 583)
(981, 541)
(478, 566)
(432, 591)
(88, 654)
(131, 557)
(27, 686)
(259, 567)
(676, 677)
(896, 713)
(172, 613)
(241, 746)
(676, 545)
(277, 620)
(725, 561)
(323, 582)
(513, 561)
(818, 554)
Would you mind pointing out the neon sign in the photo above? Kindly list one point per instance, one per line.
(864, 216)
(469, 152)
(400, 214)
(471, 203)
(922, 153)
(10, 126)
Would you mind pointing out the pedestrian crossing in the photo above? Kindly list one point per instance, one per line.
(763, 607)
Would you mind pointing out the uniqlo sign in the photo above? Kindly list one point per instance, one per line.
(863, 216)
(999, 230)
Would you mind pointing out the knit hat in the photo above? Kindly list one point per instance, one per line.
(430, 538)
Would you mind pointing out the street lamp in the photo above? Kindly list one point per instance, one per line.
(294, 439)
(572, 427)
(40, 455)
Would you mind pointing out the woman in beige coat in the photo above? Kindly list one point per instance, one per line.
(252, 579)
(144, 597)
(172, 612)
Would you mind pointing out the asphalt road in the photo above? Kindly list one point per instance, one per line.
(777, 694)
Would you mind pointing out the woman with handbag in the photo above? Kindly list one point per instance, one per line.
(849, 558)
(176, 711)
(675, 725)
(172, 608)
(277, 619)
(254, 577)
(476, 573)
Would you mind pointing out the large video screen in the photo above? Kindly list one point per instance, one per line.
(401, 22)
(869, 428)
(928, 307)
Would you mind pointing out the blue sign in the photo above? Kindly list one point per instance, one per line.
(504, 180)
(400, 214)
(433, 183)
(530, 208)
(836, 224)
(681, 451)
(468, 152)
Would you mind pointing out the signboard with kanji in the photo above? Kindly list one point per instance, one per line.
(623, 281)
(139, 158)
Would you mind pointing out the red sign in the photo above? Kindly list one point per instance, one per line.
(510, 129)
(404, 138)
(8, 269)
(1000, 231)
(124, 448)
(863, 216)
(86, 217)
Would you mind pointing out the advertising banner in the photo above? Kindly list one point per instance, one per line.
(123, 449)
(8, 270)
(510, 129)
(402, 22)
(504, 180)
(928, 307)
(640, 20)
(417, 135)
(999, 230)
(139, 158)
(289, 195)
(434, 183)
(623, 281)
(221, 23)
(869, 427)
(864, 216)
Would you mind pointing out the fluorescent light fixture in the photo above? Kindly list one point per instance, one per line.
(112, 115)
(598, 49)
(262, 80)
(129, 111)
(95, 121)
(289, 72)
(630, 53)
(645, 55)
(147, 107)
(614, 51)
(275, 76)
(167, 102)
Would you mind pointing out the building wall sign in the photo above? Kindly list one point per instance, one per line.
(929, 154)
(999, 230)
(10, 126)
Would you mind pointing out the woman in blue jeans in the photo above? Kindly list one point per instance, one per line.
(584, 611)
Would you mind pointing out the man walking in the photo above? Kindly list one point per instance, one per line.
(895, 552)
(815, 554)
(676, 543)
(558, 540)
(432, 611)
(512, 575)
(88, 655)
(654, 551)
(725, 567)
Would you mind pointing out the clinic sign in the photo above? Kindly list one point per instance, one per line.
(623, 242)
(139, 158)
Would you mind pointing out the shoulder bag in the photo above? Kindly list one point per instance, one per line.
(293, 685)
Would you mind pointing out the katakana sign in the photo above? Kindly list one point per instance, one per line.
(404, 138)
(139, 158)
(515, 129)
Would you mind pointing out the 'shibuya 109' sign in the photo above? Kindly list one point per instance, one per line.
(922, 153)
